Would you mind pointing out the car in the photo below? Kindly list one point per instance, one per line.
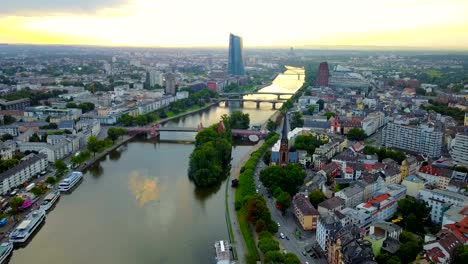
(278, 224)
(304, 253)
(282, 235)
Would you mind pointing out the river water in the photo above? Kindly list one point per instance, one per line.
(137, 204)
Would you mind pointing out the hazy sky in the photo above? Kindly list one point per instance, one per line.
(411, 23)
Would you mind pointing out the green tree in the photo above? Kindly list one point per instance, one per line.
(415, 213)
(329, 115)
(461, 255)
(94, 144)
(16, 202)
(316, 197)
(268, 244)
(287, 178)
(71, 105)
(239, 120)
(356, 134)
(271, 125)
(283, 200)
(6, 137)
(267, 157)
(141, 120)
(290, 258)
(408, 251)
(310, 110)
(113, 133)
(274, 257)
(406, 236)
(86, 106)
(38, 190)
(51, 180)
(297, 120)
(61, 167)
(126, 120)
(308, 143)
(8, 119)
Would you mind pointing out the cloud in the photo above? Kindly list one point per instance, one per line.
(48, 7)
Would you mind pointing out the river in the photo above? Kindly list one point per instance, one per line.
(137, 205)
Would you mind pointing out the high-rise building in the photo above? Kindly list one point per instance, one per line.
(236, 56)
(170, 83)
(418, 139)
(459, 149)
(322, 77)
(155, 77)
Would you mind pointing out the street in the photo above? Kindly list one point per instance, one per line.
(288, 225)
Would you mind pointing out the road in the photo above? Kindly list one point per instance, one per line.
(288, 225)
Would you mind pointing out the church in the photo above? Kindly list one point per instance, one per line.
(283, 156)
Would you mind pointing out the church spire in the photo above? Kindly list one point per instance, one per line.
(284, 147)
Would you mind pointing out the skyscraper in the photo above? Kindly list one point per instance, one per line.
(322, 78)
(236, 56)
(170, 83)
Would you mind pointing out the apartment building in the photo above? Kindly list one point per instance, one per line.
(459, 149)
(305, 212)
(382, 207)
(29, 166)
(440, 201)
(418, 139)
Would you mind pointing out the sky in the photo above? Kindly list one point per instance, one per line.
(437, 24)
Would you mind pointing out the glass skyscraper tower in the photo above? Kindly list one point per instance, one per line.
(236, 56)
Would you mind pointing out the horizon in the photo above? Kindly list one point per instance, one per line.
(388, 24)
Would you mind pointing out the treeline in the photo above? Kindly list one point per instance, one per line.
(194, 101)
(252, 209)
(210, 161)
(443, 109)
(85, 106)
(384, 153)
(34, 96)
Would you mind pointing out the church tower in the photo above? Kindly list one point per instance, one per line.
(284, 147)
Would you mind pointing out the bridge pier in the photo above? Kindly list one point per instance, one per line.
(279, 96)
(258, 104)
(274, 105)
(241, 103)
(226, 103)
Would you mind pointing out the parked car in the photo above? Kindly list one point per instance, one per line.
(282, 235)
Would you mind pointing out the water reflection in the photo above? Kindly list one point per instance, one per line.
(144, 188)
(96, 169)
(115, 155)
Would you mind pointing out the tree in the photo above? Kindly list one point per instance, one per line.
(406, 236)
(60, 166)
(113, 133)
(94, 144)
(267, 157)
(8, 119)
(408, 251)
(239, 120)
(310, 110)
(268, 244)
(287, 178)
(125, 120)
(6, 137)
(461, 255)
(329, 115)
(308, 143)
(290, 258)
(271, 125)
(283, 200)
(86, 107)
(51, 180)
(297, 120)
(356, 134)
(415, 213)
(274, 257)
(71, 105)
(16, 202)
(316, 197)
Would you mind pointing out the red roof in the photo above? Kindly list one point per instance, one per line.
(460, 229)
(377, 199)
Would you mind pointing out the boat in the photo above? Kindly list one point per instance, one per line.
(68, 183)
(223, 252)
(50, 200)
(5, 251)
(26, 228)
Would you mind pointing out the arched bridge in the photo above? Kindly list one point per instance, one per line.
(240, 95)
(153, 131)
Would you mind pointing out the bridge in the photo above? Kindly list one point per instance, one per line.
(238, 95)
(258, 101)
(153, 131)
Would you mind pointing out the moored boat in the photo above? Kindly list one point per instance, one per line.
(5, 251)
(26, 228)
(50, 200)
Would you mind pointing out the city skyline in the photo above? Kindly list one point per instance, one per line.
(432, 24)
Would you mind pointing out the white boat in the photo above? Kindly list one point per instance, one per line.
(50, 200)
(223, 254)
(68, 183)
(5, 251)
(26, 228)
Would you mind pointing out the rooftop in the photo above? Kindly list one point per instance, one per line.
(304, 205)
